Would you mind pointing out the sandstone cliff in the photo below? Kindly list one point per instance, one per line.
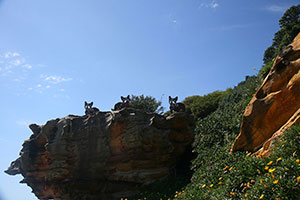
(275, 106)
(102, 156)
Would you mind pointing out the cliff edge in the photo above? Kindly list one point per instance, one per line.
(106, 155)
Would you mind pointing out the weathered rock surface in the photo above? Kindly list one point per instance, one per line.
(275, 106)
(102, 156)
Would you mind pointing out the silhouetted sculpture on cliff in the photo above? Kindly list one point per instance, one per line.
(174, 106)
(124, 104)
(89, 109)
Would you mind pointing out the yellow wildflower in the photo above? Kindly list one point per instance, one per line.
(232, 193)
(279, 159)
(267, 174)
(262, 196)
(220, 183)
(220, 178)
(298, 179)
(252, 181)
(248, 154)
(266, 168)
(211, 185)
(275, 182)
(270, 163)
(175, 195)
(277, 199)
(272, 170)
(298, 161)
(273, 59)
(294, 154)
(225, 167)
(273, 176)
(203, 186)
(246, 195)
(261, 180)
(230, 168)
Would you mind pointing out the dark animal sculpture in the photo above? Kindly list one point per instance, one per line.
(174, 106)
(123, 104)
(89, 109)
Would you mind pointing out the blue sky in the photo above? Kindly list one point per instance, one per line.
(56, 54)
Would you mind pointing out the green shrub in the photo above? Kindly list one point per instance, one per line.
(202, 106)
(147, 104)
(240, 175)
(222, 126)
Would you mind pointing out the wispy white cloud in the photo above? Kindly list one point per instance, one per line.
(209, 4)
(9, 54)
(276, 8)
(27, 66)
(12, 63)
(55, 79)
(22, 78)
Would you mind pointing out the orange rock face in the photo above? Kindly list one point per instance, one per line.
(107, 155)
(275, 105)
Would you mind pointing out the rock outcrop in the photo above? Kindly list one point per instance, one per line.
(275, 106)
(107, 155)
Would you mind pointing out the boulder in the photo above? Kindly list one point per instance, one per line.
(275, 105)
(106, 155)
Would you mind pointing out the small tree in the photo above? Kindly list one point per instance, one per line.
(147, 104)
(290, 27)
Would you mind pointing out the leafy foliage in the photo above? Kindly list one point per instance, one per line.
(222, 126)
(241, 176)
(290, 27)
(202, 106)
(147, 104)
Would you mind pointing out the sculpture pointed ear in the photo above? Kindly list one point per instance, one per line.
(128, 97)
(92, 104)
(170, 98)
(122, 98)
(175, 99)
(85, 103)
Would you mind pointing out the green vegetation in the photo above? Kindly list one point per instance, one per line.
(147, 104)
(202, 106)
(218, 175)
(241, 176)
(290, 27)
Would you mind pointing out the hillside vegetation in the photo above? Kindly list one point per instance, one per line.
(216, 174)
